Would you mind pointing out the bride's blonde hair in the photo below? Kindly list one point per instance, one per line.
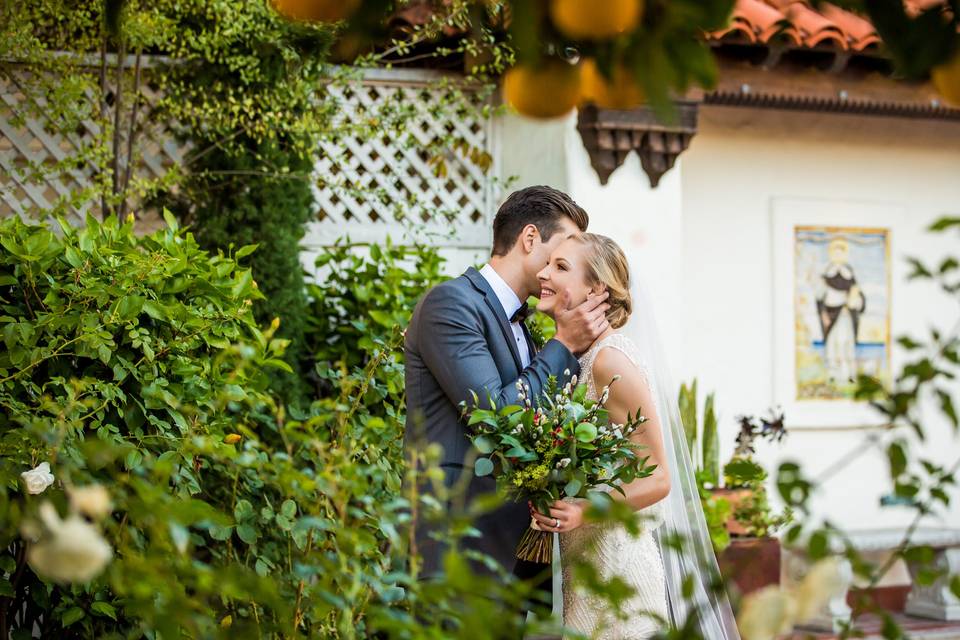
(607, 265)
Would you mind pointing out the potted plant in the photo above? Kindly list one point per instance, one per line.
(738, 513)
(705, 455)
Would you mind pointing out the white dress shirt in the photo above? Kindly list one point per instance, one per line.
(510, 303)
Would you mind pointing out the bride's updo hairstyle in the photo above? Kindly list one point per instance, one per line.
(606, 264)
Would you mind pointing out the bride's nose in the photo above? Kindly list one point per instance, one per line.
(543, 275)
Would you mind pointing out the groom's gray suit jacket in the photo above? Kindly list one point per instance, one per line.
(460, 341)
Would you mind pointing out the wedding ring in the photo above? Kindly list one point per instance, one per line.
(556, 523)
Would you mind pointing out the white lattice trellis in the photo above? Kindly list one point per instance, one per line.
(432, 173)
(406, 178)
(36, 143)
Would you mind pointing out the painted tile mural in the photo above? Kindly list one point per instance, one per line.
(841, 309)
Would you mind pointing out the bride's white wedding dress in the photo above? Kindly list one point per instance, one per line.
(614, 552)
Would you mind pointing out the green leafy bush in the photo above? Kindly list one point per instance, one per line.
(230, 202)
(127, 363)
(135, 364)
(358, 311)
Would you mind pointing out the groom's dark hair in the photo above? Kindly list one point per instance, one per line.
(541, 206)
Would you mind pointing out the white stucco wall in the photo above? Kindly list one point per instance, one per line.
(737, 163)
(703, 242)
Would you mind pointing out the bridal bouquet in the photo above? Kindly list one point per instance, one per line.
(562, 446)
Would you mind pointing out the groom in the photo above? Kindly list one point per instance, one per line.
(467, 335)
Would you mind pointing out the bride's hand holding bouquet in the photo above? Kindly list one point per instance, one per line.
(558, 446)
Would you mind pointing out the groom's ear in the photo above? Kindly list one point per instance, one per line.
(528, 237)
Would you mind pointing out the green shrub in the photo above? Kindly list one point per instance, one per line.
(231, 201)
(358, 309)
(136, 364)
(127, 362)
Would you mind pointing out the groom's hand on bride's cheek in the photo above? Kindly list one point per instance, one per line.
(577, 328)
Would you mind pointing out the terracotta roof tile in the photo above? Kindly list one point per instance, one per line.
(754, 20)
(800, 25)
(792, 22)
(860, 32)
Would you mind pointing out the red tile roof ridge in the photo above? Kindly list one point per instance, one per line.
(793, 22)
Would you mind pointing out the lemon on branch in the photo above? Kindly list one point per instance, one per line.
(316, 10)
(619, 92)
(549, 90)
(595, 19)
(946, 79)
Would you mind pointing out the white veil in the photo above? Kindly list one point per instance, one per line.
(683, 538)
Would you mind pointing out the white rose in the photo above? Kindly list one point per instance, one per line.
(38, 479)
(92, 500)
(824, 581)
(71, 550)
(766, 614)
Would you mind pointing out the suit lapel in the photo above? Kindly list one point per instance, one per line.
(480, 284)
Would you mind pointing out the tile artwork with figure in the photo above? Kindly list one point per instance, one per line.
(841, 309)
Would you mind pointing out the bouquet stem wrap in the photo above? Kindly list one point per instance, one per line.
(536, 545)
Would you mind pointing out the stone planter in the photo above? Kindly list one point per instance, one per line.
(751, 563)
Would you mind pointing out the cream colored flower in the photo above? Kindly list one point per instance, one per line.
(824, 581)
(71, 550)
(766, 614)
(38, 479)
(92, 500)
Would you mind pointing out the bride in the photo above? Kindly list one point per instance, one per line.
(667, 503)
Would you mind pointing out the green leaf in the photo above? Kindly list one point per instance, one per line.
(288, 508)
(170, 220)
(948, 408)
(277, 363)
(220, 533)
(944, 223)
(897, 458)
(243, 510)
(243, 281)
(154, 310)
(817, 545)
(71, 615)
(573, 488)
(73, 257)
(381, 318)
(244, 251)
(741, 471)
(104, 609)
(483, 467)
(919, 270)
(6, 589)
(483, 444)
(586, 432)
(247, 533)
